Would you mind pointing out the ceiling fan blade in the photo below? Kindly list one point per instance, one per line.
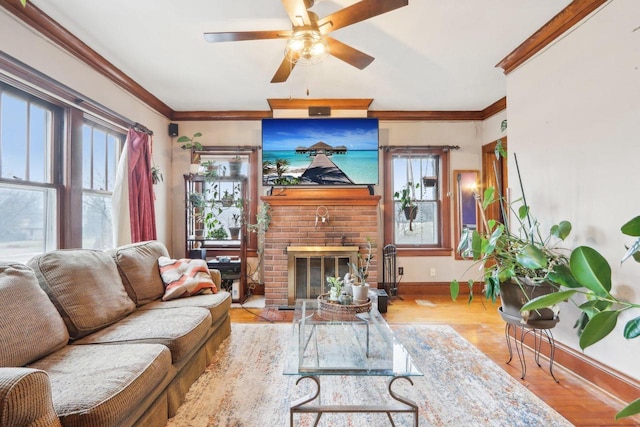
(236, 36)
(348, 54)
(283, 72)
(297, 11)
(357, 12)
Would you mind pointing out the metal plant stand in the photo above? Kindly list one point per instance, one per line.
(517, 332)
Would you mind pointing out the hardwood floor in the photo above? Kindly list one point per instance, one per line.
(579, 401)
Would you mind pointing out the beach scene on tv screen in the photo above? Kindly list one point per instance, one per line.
(319, 151)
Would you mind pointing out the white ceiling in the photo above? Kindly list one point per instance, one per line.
(430, 55)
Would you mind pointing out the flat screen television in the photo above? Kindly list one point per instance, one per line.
(320, 151)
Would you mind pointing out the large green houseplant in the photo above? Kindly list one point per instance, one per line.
(514, 252)
(588, 285)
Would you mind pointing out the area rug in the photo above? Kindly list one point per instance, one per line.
(245, 385)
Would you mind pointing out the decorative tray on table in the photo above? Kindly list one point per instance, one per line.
(333, 310)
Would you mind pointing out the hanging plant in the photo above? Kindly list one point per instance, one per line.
(156, 175)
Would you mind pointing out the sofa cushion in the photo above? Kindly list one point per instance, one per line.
(30, 325)
(138, 268)
(100, 385)
(217, 304)
(85, 287)
(185, 277)
(180, 329)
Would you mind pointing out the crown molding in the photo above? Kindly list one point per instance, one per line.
(575, 12)
(495, 108)
(334, 103)
(220, 115)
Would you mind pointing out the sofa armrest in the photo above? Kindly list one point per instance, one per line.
(25, 398)
(216, 277)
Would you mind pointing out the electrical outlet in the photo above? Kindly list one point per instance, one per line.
(400, 271)
(433, 272)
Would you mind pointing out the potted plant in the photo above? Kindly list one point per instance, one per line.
(588, 283)
(194, 146)
(407, 203)
(429, 181)
(235, 166)
(234, 228)
(218, 233)
(156, 175)
(227, 199)
(360, 289)
(518, 261)
(335, 288)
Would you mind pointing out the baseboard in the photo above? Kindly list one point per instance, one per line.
(608, 379)
(618, 384)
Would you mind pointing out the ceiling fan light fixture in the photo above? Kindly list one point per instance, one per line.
(306, 47)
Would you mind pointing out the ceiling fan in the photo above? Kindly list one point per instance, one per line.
(308, 38)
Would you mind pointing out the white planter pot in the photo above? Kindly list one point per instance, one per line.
(360, 292)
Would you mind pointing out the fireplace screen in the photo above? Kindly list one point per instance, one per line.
(311, 274)
(309, 269)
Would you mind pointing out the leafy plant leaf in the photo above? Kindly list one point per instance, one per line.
(454, 289)
(183, 139)
(523, 211)
(598, 327)
(591, 308)
(488, 197)
(491, 288)
(562, 275)
(632, 227)
(561, 230)
(493, 240)
(632, 328)
(547, 300)
(591, 270)
(531, 257)
(631, 409)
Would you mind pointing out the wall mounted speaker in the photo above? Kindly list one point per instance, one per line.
(173, 129)
(319, 111)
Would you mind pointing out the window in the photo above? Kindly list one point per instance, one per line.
(416, 201)
(28, 194)
(100, 153)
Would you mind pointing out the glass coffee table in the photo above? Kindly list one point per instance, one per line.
(358, 344)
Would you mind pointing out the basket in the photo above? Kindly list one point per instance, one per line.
(335, 311)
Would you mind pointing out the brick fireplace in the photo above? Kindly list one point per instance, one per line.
(350, 218)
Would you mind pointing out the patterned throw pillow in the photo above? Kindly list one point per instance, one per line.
(184, 277)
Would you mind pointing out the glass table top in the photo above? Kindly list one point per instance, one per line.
(357, 344)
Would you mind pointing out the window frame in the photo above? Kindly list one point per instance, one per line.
(444, 247)
(72, 110)
(53, 181)
(109, 130)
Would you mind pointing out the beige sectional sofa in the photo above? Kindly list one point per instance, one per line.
(85, 339)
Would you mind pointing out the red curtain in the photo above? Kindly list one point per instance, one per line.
(141, 205)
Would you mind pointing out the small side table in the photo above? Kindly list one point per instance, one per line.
(517, 331)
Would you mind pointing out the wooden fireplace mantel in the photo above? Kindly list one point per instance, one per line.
(351, 196)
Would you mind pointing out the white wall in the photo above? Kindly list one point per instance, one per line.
(31, 48)
(574, 123)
